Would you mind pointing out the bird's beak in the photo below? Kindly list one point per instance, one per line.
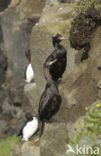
(51, 62)
(63, 38)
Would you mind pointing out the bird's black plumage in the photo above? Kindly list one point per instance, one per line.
(49, 103)
(59, 59)
(50, 100)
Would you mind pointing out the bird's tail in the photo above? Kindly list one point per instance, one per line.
(41, 128)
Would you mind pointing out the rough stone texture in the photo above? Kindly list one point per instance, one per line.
(30, 10)
(3, 124)
(3, 67)
(54, 139)
(80, 81)
(14, 35)
(14, 3)
(31, 149)
(42, 38)
(82, 27)
(14, 41)
(17, 151)
(32, 93)
(85, 23)
(85, 77)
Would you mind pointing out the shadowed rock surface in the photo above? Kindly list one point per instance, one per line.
(4, 4)
(15, 40)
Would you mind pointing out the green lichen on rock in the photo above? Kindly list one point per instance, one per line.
(93, 121)
(86, 21)
(7, 145)
(85, 5)
(90, 133)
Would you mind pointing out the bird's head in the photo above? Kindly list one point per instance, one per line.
(28, 116)
(58, 38)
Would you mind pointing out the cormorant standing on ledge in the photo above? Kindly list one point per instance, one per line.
(50, 101)
(29, 128)
(57, 60)
(29, 73)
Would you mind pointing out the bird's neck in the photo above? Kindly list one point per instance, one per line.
(29, 120)
(29, 58)
(28, 55)
(56, 45)
(48, 76)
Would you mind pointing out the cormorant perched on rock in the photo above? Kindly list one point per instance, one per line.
(29, 128)
(50, 101)
(29, 73)
(57, 60)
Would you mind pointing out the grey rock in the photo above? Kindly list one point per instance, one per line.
(54, 139)
(3, 126)
(17, 151)
(6, 107)
(16, 42)
(31, 148)
(30, 10)
(41, 44)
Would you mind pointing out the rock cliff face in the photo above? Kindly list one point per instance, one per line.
(25, 25)
(15, 35)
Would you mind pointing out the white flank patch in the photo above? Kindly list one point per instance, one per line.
(29, 73)
(30, 128)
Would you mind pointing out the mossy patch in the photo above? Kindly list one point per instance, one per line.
(8, 145)
(91, 130)
(85, 5)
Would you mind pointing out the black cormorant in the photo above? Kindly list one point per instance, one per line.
(50, 101)
(29, 128)
(57, 60)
